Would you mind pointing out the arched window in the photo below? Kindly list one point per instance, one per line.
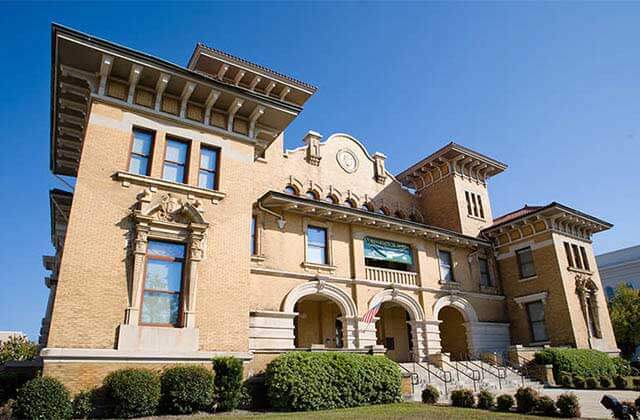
(350, 203)
(290, 190)
(312, 195)
(366, 207)
(331, 199)
(383, 211)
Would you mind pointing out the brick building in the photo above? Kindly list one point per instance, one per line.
(191, 232)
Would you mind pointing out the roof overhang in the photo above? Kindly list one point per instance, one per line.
(85, 68)
(451, 159)
(60, 208)
(281, 202)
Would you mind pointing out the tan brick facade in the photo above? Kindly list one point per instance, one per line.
(257, 306)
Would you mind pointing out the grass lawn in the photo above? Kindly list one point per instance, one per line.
(388, 411)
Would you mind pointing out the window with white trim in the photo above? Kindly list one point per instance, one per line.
(446, 266)
(537, 323)
(317, 245)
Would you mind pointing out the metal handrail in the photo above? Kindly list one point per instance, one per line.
(444, 378)
(483, 370)
(475, 376)
(521, 370)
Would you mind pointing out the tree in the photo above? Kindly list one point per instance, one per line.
(624, 309)
(18, 347)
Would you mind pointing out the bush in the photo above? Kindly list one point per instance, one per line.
(132, 392)
(605, 382)
(546, 406)
(254, 394)
(526, 399)
(462, 398)
(566, 380)
(635, 382)
(568, 405)
(10, 381)
(504, 402)
(430, 394)
(43, 398)
(592, 383)
(579, 382)
(83, 405)
(319, 381)
(18, 347)
(637, 403)
(186, 389)
(6, 410)
(228, 382)
(581, 362)
(622, 366)
(486, 400)
(620, 382)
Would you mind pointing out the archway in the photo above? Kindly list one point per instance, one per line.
(453, 334)
(319, 322)
(395, 332)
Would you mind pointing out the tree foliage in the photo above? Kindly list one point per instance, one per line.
(17, 348)
(624, 309)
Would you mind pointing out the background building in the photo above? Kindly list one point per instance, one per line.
(619, 267)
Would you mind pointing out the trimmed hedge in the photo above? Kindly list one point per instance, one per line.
(579, 382)
(486, 400)
(305, 381)
(43, 398)
(621, 382)
(568, 405)
(566, 380)
(580, 362)
(430, 394)
(186, 389)
(83, 404)
(228, 382)
(605, 382)
(592, 383)
(526, 399)
(462, 398)
(132, 392)
(546, 406)
(504, 402)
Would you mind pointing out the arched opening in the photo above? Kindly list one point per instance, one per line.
(394, 332)
(453, 333)
(318, 323)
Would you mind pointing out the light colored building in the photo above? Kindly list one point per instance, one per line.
(619, 267)
(191, 232)
(5, 335)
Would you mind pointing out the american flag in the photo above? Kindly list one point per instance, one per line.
(370, 314)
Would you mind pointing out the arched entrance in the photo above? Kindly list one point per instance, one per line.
(394, 332)
(319, 322)
(453, 334)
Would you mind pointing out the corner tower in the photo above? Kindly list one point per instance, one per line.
(451, 186)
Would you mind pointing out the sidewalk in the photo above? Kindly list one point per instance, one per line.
(590, 399)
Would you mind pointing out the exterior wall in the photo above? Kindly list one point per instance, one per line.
(472, 225)
(440, 205)
(619, 267)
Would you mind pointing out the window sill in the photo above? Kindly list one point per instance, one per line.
(580, 270)
(540, 343)
(489, 289)
(480, 219)
(325, 268)
(128, 178)
(259, 259)
(528, 278)
(450, 284)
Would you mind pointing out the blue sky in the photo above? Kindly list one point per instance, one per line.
(551, 89)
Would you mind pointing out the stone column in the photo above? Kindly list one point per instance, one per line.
(195, 255)
(367, 334)
(349, 332)
(432, 332)
(419, 340)
(137, 274)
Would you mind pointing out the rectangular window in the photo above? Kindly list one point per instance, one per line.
(163, 283)
(525, 263)
(475, 204)
(585, 260)
(254, 247)
(535, 311)
(480, 207)
(576, 255)
(141, 147)
(446, 266)
(175, 161)
(467, 196)
(485, 277)
(567, 250)
(317, 245)
(208, 175)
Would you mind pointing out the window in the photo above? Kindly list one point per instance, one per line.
(480, 207)
(312, 195)
(175, 160)
(446, 266)
(365, 207)
(331, 199)
(316, 245)
(525, 263)
(163, 283)
(535, 311)
(254, 247)
(290, 190)
(474, 204)
(567, 250)
(208, 175)
(350, 203)
(485, 277)
(576, 255)
(141, 147)
(585, 260)
(468, 197)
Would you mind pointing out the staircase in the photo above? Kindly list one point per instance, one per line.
(472, 374)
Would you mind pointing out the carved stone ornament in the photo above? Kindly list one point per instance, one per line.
(168, 208)
(347, 160)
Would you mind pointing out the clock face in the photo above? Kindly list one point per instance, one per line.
(347, 160)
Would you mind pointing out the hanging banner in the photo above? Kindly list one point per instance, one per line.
(379, 249)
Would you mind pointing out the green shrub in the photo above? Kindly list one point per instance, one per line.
(526, 399)
(544, 357)
(565, 379)
(486, 400)
(620, 382)
(305, 381)
(430, 394)
(10, 381)
(132, 392)
(6, 410)
(254, 394)
(622, 366)
(504, 402)
(605, 382)
(228, 382)
(83, 404)
(43, 398)
(592, 383)
(462, 398)
(579, 382)
(546, 406)
(581, 362)
(185, 389)
(568, 405)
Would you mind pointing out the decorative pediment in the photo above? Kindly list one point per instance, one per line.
(585, 284)
(168, 208)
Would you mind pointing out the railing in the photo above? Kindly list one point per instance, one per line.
(475, 375)
(440, 374)
(385, 275)
(500, 373)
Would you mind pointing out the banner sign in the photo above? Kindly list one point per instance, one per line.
(379, 249)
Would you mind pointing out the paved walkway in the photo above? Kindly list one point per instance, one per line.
(590, 399)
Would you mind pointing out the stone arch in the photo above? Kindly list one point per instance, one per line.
(405, 300)
(337, 295)
(461, 304)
